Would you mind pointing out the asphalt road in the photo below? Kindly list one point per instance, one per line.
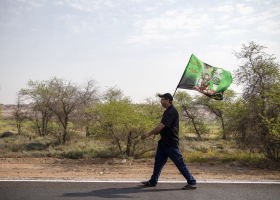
(164, 191)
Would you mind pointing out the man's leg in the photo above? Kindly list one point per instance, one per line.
(160, 160)
(176, 156)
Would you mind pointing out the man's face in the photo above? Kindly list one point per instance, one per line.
(164, 102)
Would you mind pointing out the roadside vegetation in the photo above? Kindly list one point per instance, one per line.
(67, 120)
(209, 148)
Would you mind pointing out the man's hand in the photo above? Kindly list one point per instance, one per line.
(144, 136)
(155, 131)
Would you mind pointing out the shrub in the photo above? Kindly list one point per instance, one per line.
(228, 159)
(202, 148)
(74, 155)
(6, 134)
(221, 146)
(104, 154)
(36, 146)
(222, 151)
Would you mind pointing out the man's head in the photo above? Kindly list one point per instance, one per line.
(166, 99)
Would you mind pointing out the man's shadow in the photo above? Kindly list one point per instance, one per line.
(116, 192)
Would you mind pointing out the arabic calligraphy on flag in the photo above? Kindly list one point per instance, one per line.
(211, 81)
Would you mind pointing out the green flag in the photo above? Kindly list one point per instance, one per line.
(204, 78)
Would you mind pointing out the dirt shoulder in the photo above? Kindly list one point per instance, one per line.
(112, 169)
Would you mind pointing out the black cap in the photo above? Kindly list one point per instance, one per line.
(166, 96)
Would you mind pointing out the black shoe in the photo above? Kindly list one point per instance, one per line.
(147, 184)
(189, 187)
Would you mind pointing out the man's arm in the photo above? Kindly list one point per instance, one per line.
(154, 131)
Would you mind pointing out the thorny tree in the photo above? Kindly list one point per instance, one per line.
(220, 108)
(66, 97)
(191, 111)
(258, 126)
(19, 114)
(39, 95)
(62, 99)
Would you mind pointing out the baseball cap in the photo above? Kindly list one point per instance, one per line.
(166, 96)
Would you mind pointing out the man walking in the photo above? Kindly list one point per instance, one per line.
(168, 145)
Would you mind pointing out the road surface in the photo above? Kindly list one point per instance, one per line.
(45, 190)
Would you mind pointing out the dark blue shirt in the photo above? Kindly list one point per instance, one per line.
(170, 133)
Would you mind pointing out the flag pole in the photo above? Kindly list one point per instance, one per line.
(175, 91)
(181, 79)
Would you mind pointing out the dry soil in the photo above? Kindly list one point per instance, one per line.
(113, 169)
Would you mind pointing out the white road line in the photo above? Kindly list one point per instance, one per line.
(127, 181)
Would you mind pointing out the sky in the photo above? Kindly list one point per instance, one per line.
(140, 46)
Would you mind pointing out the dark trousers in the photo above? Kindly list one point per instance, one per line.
(174, 154)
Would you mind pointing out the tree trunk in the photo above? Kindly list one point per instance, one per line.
(128, 145)
(223, 125)
(87, 131)
(19, 128)
(189, 116)
(196, 130)
(65, 132)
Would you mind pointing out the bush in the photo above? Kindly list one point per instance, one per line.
(74, 155)
(104, 154)
(202, 148)
(193, 138)
(37, 155)
(228, 159)
(15, 148)
(221, 146)
(222, 151)
(36, 146)
(149, 154)
(7, 134)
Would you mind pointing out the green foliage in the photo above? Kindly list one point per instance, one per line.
(273, 126)
(40, 94)
(255, 116)
(222, 151)
(193, 149)
(189, 110)
(243, 156)
(74, 155)
(273, 136)
(197, 126)
(123, 122)
(36, 146)
(202, 148)
(201, 157)
(7, 126)
(0, 108)
(107, 153)
(1, 111)
(61, 101)
(6, 134)
(19, 115)
(221, 108)
(15, 147)
(193, 138)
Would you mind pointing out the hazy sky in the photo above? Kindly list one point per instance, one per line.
(141, 46)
